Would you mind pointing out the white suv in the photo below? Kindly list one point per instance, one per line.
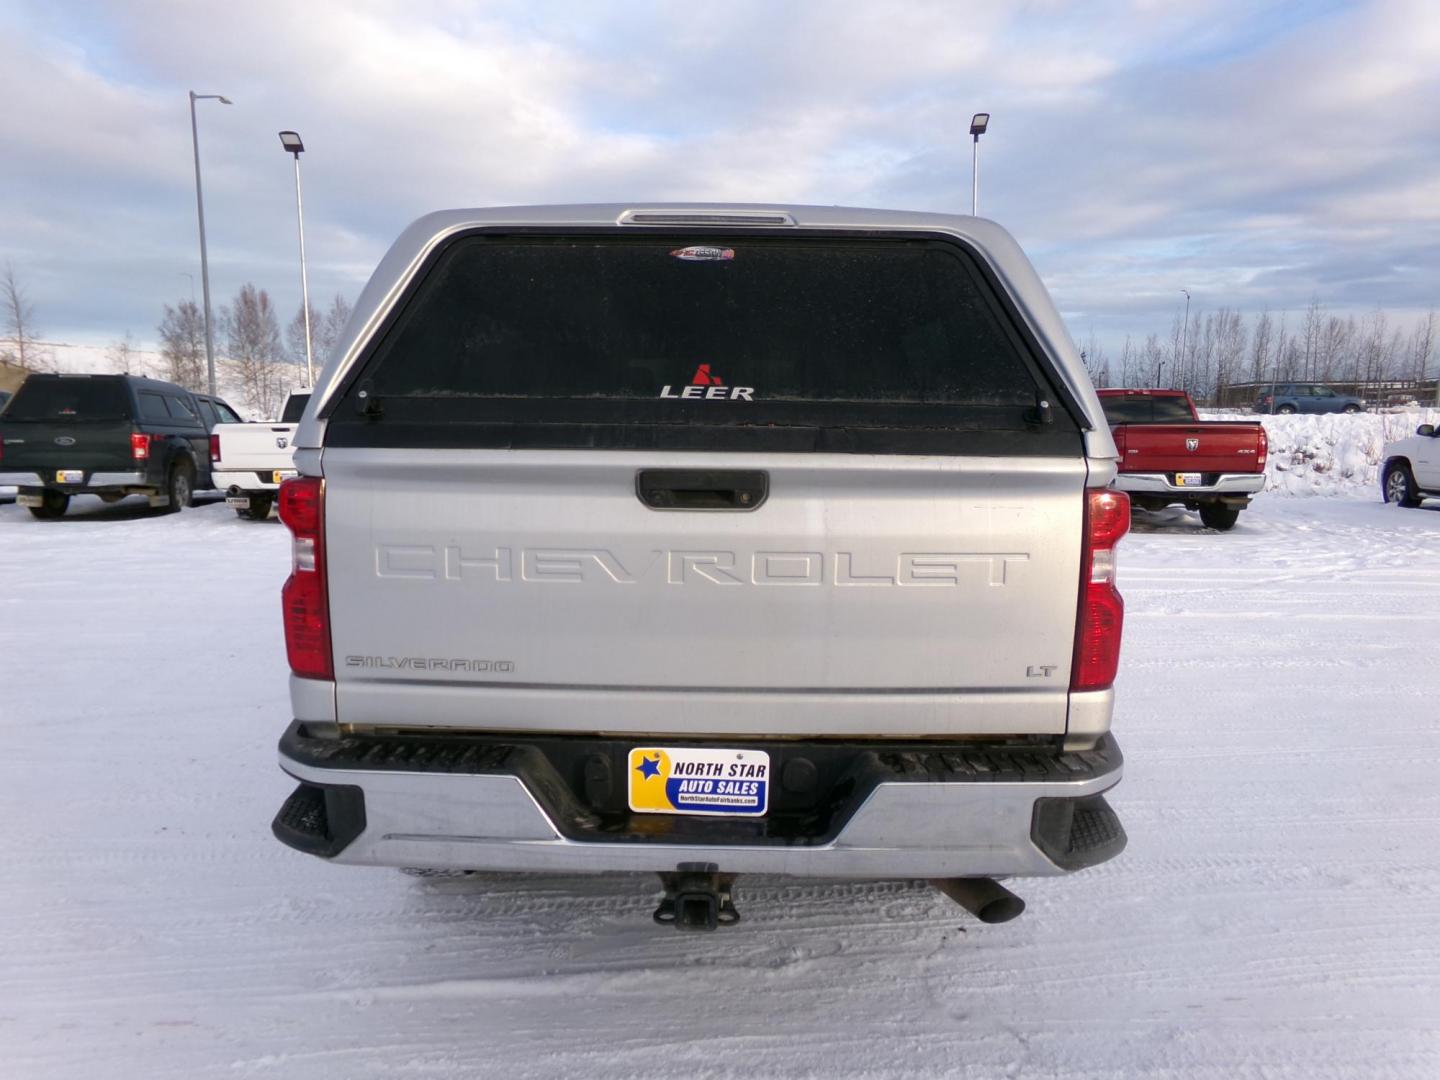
(1412, 467)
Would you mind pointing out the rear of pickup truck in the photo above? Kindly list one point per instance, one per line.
(252, 460)
(1169, 456)
(757, 539)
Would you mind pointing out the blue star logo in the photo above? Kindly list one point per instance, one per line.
(649, 767)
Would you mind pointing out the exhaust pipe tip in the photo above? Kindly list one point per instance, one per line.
(985, 898)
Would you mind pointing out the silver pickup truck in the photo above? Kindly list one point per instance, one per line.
(705, 540)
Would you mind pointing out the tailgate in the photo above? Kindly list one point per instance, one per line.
(505, 589)
(645, 482)
(1204, 446)
(45, 447)
(256, 447)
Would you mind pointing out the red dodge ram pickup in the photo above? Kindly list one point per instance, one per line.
(1169, 455)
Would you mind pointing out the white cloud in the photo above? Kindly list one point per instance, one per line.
(1249, 152)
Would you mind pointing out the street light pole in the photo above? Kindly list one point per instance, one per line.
(204, 256)
(290, 140)
(1185, 327)
(978, 123)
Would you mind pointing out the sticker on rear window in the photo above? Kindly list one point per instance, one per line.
(707, 385)
(703, 253)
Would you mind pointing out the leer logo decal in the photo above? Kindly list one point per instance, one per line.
(707, 385)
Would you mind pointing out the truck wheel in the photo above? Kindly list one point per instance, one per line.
(258, 510)
(1218, 516)
(1285, 410)
(55, 505)
(1399, 485)
(181, 487)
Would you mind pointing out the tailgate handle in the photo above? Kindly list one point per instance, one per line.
(702, 489)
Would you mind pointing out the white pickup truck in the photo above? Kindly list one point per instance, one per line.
(705, 540)
(250, 460)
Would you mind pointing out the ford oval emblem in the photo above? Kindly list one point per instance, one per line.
(64, 440)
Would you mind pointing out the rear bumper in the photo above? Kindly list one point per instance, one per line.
(246, 480)
(93, 481)
(1163, 484)
(957, 809)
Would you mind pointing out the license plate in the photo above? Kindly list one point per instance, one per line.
(280, 475)
(30, 500)
(69, 476)
(237, 502)
(1188, 479)
(711, 783)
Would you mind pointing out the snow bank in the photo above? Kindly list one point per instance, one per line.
(1331, 454)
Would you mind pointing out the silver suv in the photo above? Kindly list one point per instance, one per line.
(705, 540)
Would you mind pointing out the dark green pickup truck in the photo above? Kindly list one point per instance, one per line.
(106, 435)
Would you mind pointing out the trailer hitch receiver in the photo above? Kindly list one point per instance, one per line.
(697, 897)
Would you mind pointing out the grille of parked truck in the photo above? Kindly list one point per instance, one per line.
(705, 540)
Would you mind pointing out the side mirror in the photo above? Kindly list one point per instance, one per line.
(1426, 429)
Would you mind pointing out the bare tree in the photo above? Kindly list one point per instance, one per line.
(182, 345)
(20, 346)
(124, 358)
(337, 315)
(1422, 344)
(252, 338)
(1260, 346)
(295, 339)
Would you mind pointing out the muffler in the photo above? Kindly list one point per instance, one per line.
(983, 897)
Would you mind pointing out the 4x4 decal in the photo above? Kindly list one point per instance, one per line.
(707, 385)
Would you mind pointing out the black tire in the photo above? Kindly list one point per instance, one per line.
(180, 487)
(1352, 409)
(1218, 516)
(258, 510)
(1398, 487)
(56, 503)
(1286, 410)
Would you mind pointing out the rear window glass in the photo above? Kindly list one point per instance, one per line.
(1138, 409)
(294, 408)
(896, 322)
(227, 414)
(152, 406)
(70, 399)
(181, 410)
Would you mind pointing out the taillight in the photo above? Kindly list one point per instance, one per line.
(1101, 617)
(215, 449)
(1264, 451)
(304, 599)
(139, 446)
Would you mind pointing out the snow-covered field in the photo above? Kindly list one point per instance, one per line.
(1275, 915)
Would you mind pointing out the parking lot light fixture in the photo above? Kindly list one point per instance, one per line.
(294, 145)
(978, 123)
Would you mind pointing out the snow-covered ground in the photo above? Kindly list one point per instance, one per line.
(1275, 915)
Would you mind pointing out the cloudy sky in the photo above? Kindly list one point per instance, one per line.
(1258, 154)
